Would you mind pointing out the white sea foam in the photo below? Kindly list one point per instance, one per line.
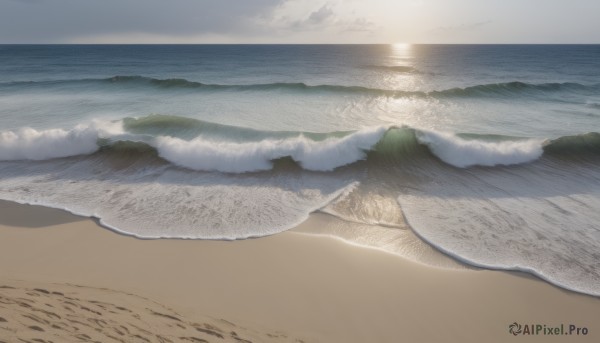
(202, 154)
(31, 144)
(163, 202)
(464, 153)
(540, 219)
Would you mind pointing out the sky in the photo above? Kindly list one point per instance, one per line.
(299, 21)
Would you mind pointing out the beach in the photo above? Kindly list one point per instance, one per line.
(299, 193)
(291, 286)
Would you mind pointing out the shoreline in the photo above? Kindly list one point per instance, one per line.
(305, 285)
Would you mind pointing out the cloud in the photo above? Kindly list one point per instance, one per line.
(359, 25)
(38, 21)
(321, 15)
(461, 28)
(294, 15)
(26, 1)
(182, 21)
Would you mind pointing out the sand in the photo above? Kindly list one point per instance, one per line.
(41, 312)
(289, 287)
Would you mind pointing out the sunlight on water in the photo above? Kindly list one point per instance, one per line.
(402, 49)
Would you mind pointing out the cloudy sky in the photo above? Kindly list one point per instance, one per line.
(299, 21)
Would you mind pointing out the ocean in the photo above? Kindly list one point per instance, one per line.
(489, 153)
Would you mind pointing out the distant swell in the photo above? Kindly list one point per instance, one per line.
(215, 147)
(485, 90)
(398, 69)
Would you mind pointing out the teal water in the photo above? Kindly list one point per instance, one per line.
(490, 152)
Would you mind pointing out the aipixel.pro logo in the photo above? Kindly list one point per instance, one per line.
(516, 329)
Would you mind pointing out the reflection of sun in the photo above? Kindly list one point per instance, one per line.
(401, 52)
(401, 45)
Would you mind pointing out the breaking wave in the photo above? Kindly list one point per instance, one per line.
(206, 146)
(164, 176)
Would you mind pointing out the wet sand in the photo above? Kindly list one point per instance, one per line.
(288, 287)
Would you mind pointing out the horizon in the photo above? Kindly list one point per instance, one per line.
(277, 22)
(295, 44)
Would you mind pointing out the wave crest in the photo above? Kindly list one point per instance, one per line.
(199, 145)
(464, 153)
(31, 144)
(201, 154)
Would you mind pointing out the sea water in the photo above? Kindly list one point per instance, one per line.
(490, 153)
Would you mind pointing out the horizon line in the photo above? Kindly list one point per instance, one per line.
(396, 43)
